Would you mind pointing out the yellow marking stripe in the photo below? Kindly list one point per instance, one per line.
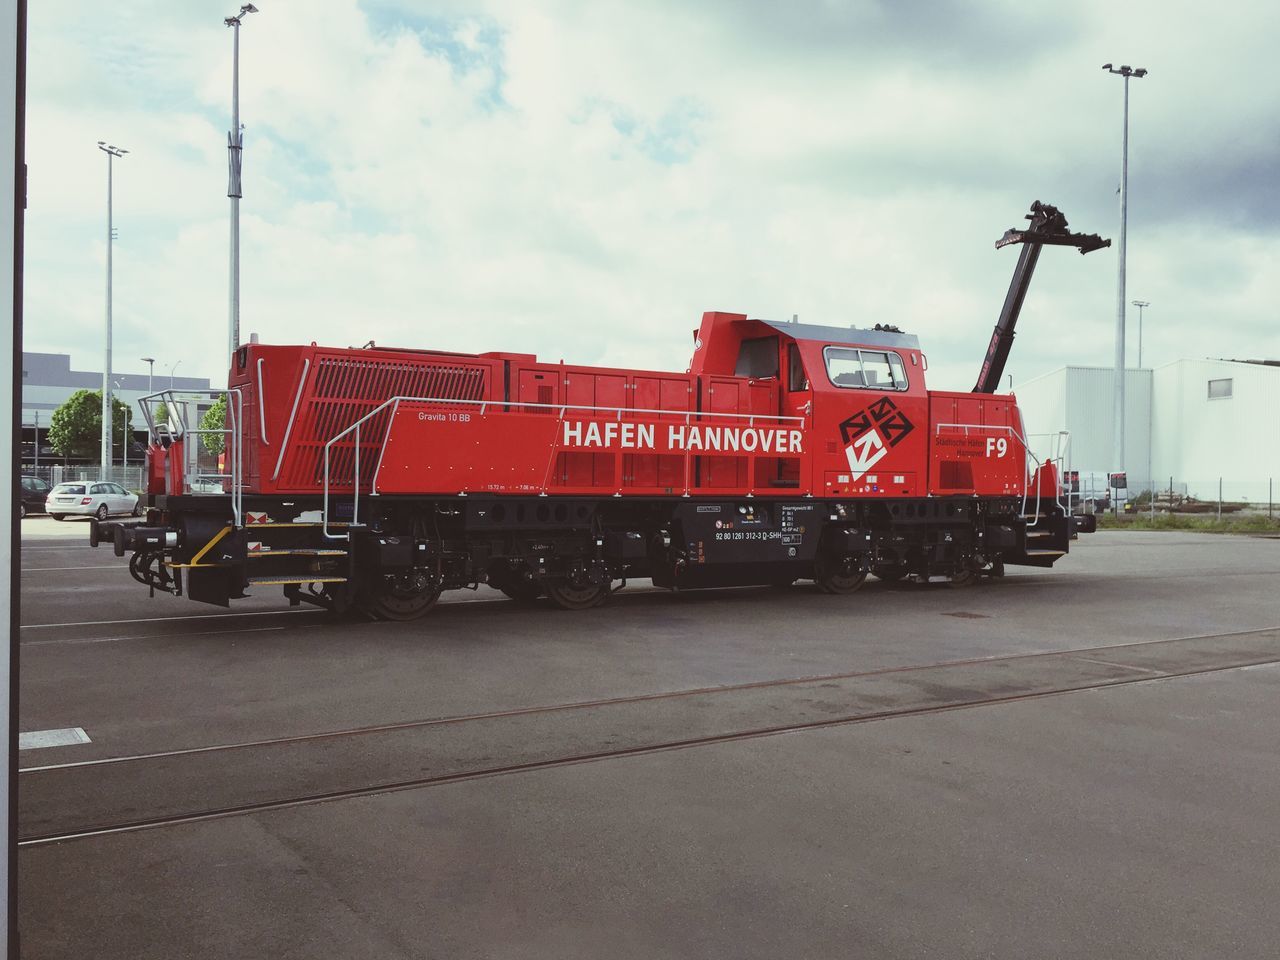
(195, 561)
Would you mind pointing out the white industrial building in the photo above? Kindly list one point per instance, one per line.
(1191, 422)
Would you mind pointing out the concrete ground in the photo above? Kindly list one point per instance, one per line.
(1129, 818)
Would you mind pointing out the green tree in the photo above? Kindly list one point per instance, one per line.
(75, 429)
(160, 412)
(215, 418)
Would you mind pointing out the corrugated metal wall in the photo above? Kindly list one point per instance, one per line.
(1091, 420)
(1170, 419)
(1079, 400)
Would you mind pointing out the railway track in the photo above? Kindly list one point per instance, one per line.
(236, 779)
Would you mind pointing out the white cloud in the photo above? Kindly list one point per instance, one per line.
(582, 181)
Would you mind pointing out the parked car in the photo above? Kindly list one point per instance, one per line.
(89, 499)
(32, 495)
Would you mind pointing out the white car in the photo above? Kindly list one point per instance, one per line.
(88, 499)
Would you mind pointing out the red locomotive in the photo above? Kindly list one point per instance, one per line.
(376, 478)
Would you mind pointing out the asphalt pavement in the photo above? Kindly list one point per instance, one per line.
(1016, 769)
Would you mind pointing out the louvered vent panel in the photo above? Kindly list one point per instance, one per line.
(344, 389)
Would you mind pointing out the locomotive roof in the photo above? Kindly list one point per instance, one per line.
(850, 335)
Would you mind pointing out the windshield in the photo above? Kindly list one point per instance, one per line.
(877, 369)
(69, 488)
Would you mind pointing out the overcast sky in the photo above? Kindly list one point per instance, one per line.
(582, 180)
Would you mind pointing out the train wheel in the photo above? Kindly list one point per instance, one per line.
(569, 595)
(963, 578)
(406, 596)
(837, 575)
(889, 574)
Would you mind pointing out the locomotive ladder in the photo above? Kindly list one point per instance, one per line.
(484, 405)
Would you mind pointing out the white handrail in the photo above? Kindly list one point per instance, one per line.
(1026, 449)
(174, 400)
(288, 430)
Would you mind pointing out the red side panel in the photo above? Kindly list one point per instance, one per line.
(975, 446)
(299, 398)
(431, 451)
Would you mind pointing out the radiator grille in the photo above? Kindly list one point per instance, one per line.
(343, 390)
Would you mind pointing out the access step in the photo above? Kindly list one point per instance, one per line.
(291, 552)
(280, 581)
(1045, 553)
(273, 524)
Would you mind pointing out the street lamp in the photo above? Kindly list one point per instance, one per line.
(151, 370)
(235, 144)
(1123, 71)
(172, 367)
(1140, 304)
(124, 434)
(112, 152)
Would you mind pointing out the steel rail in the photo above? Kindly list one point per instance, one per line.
(416, 783)
(610, 701)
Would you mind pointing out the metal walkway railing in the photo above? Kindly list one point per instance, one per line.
(1029, 472)
(503, 406)
(181, 407)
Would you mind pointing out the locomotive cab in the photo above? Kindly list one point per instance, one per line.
(860, 393)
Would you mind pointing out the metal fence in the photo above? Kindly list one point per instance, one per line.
(131, 477)
(1214, 497)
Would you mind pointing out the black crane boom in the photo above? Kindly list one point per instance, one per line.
(1048, 226)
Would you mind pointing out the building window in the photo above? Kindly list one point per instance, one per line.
(1219, 389)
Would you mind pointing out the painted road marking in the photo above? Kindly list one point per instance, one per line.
(107, 566)
(203, 616)
(153, 636)
(39, 739)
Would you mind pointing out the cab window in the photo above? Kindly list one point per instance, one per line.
(796, 379)
(757, 358)
(869, 369)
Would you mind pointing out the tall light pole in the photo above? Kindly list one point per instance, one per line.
(1118, 454)
(112, 152)
(235, 144)
(1140, 304)
(151, 372)
(124, 434)
(172, 367)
